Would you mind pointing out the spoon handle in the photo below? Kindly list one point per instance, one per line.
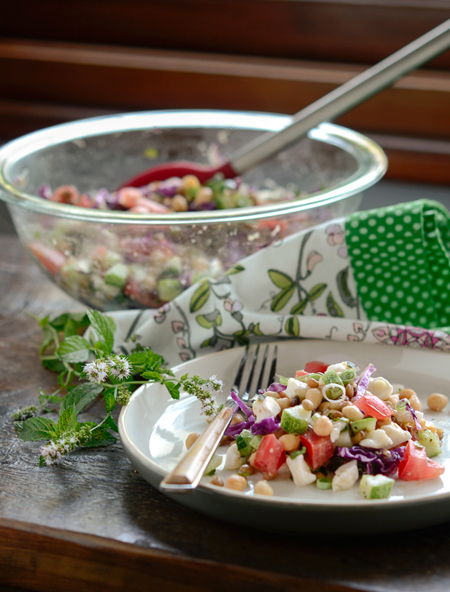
(345, 97)
(188, 472)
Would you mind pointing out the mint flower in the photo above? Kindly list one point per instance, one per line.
(96, 371)
(119, 367)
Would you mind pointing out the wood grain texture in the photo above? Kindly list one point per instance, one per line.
(135, 79)
(94, 524)
(333, 30)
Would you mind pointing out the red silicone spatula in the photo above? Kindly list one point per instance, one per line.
(335, 103)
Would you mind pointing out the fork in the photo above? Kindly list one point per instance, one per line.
(187, 474)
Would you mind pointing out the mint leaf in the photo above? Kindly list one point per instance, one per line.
(67, 421)
(109, 421)
(104, 328)
(100, 437)
(173, 388)
(152, 376)
(110, 400)
(146, 360)
(80, 396)
(36, 428)
(74, 349)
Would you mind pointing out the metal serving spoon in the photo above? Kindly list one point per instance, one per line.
(328, 107)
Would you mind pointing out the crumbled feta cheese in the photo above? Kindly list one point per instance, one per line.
(300, 471)
(345, 476)
(341, 367)
(233, 459)
(396, 434)
(380, 387)
(296, 388)
(403, 416)
(377, 439)
(344, 440)
(338, 426)
(265, 407)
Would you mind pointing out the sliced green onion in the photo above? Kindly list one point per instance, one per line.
(297, 452)
(324, 483)
(401, 406)
(348, 376)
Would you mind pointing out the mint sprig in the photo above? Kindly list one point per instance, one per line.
(88, 369)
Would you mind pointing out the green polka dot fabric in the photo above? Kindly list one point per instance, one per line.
(401, 261)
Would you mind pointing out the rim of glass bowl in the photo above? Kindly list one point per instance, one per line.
(372, 163)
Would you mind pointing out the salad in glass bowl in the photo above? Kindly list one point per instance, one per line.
(140, 247)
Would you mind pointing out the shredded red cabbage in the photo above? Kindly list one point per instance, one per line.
(413, 413)
(241, 405)
(277, 387)
(266, 426)
(234, 430)
(363, 382)
(375, 460)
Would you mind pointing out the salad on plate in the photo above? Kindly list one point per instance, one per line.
(330, 427)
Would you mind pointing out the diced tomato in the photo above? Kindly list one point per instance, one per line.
(270, 455)
(319, 449)
(300, 373)
(52, 259)
(313, 367)
(136, 291)
(417, 466)
(373, 406)
(273, 224)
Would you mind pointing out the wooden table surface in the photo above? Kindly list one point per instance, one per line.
(93, 523)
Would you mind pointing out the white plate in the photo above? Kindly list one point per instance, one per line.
(153, 428)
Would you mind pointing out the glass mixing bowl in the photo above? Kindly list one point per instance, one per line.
(114, 259)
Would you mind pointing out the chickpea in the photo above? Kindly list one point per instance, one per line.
(415, 402)
(263, 488)
(203, 195)
(192, 439)
(251, 459)
(290, 442)
(237, 418)
(215, 480)
(384, 422)
(352, 412)
(284, 403)
(406, 393)
(236, 482)
(179, 203)
(315, 396)
(308, 405)
(437, 402)
(356, 439)
(189, 182)
(323, 426)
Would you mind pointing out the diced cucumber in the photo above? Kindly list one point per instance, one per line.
(215, 462)
(168, 289)
(243, 443)
(174, 265)
(294, 420)
(368, 424)
(376, 486)
(117, 275)
(255, 442)
(431, 442)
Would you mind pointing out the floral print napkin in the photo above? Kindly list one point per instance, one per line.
(375, 276)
